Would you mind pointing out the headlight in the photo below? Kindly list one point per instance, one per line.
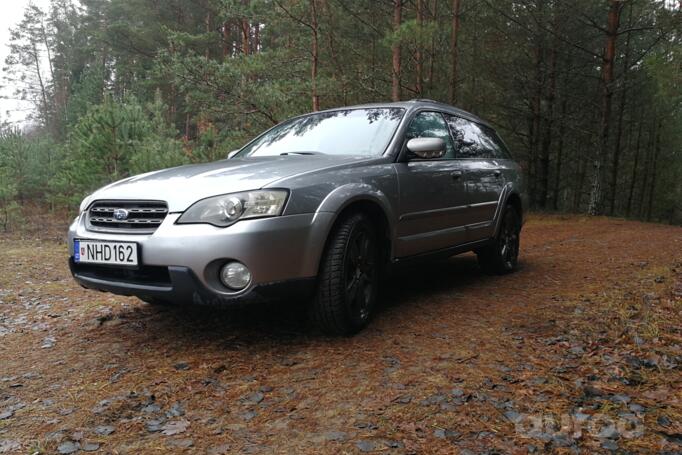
(224, 210)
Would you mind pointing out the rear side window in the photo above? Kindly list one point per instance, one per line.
(475, 141)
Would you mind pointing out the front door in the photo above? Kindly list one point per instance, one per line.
(432, 194)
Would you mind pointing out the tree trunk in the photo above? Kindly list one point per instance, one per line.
(315, 55)
(245, 30)
(549, 121)
(535, 123)
(654, 166)
(634, 167)
(246, 35)
(619, 127)
(651, 143)
(559, 156)
(256, 38)
(615, 6)
(418, 55)
(454, 38)
(339, 73)
(471, 102)
(432, 50)
(43, 94)
(579, 181)
(396, 50)
(226, 40)
(46, 43)
(207, 25)
(61, 93)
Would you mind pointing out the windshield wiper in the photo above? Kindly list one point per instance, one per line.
(301, 153)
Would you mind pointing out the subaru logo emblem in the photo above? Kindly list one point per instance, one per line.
(120, 214)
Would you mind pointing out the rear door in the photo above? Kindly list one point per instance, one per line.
(432, 193)
(482, 163)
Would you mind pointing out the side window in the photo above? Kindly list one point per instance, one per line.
(431, 124)
(492, 141)
(470, 140)
(502, 151)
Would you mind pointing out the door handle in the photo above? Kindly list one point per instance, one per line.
(497, 173)
(456, 174)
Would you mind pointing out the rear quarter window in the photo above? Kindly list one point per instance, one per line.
(501, 150)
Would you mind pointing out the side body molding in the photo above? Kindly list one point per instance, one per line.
(340, 198)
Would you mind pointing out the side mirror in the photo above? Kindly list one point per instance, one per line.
(231, 154)
(427, 147)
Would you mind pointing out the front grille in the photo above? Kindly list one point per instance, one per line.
(145, 275)
(134, 217)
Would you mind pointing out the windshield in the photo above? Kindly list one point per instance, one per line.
(344, 132)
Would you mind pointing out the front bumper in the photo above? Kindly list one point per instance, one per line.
(180, 263)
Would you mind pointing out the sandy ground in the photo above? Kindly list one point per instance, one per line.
(579, 351)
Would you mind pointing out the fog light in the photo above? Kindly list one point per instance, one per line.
(235, 275)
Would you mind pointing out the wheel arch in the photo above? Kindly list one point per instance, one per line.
(347, 200)
(509, 196)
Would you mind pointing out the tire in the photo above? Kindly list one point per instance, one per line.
(349, 278)
(502, 255)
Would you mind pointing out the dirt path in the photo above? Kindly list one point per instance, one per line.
(581, 349)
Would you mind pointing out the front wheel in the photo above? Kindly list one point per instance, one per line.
(502, 255)
(348, 280)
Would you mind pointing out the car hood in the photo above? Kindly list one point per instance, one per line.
(181, 186)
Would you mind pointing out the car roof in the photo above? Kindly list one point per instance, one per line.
(419, 104)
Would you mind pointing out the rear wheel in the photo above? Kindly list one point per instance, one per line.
(348, 280)
(503, 254)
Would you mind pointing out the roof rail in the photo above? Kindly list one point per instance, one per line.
(424, 100)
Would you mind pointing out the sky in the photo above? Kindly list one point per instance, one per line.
(11, 12)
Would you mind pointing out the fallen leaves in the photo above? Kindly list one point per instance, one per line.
(175, 427)
(9, 445)
(455, 361)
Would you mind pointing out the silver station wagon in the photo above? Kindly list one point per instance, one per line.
(319, 206)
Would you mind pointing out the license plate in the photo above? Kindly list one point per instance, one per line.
(98, 252)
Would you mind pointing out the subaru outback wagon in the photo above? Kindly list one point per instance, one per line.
(318, 206)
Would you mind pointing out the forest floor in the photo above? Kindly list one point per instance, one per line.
(579, 351)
